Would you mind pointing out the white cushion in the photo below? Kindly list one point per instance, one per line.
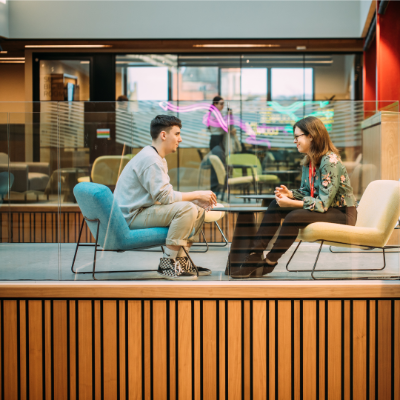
(212, 216)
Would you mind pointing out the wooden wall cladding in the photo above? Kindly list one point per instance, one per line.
(46, 225)
(200, 349)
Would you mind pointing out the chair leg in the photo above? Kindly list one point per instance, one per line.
(77, 246)
(334, 270)
(207, 246)
(211, 245)
(95, 251)
(290, 259)
(355, 279)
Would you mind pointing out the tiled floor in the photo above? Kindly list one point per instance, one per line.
(38, 262)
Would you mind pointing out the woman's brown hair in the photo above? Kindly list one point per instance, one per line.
(321, 142)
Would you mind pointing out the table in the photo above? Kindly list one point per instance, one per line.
(263, 197)
(246, 221)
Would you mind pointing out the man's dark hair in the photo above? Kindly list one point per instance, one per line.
(163, 123)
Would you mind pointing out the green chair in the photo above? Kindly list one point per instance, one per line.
(244, 159)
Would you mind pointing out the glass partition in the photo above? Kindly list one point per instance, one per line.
(241, 150)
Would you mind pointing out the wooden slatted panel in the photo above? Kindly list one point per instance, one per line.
(271, 351)
(234, 350)
(260, 341)
(123, 354)
(135, 342)
(10, 371)
(159, 349)
(85, 348)
(384, 349)
(196, 341)
(35, 350)
(359, 349)
(333, 351)
(222, 348)
(23, 350)
(351, 344)
(184, 350)
(209, 340)
(72, 350)
(309, 343)
(110, 348)
(284, 350)
(172, 351)
(297, 346)
(60, 347)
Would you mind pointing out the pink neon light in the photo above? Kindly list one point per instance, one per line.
(218, 121)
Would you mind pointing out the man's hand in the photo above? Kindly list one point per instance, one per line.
(205, 198)
(284, 201)
(284, 191)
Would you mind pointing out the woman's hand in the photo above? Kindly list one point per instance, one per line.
(283, 201)
(284, 191)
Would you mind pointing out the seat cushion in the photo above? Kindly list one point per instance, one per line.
(212, 216)
(268, 178)
(338, 233)
(37, 181)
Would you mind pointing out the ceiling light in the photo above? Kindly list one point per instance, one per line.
(3, 52)
(236, 45)
(12, 58)
(66, 46)
(85, 62)
(11, 62)
(301, 47)
(247, 61)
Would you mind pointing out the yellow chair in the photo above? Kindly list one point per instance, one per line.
(377, 217)
(107, 169)
(243, 159)
(226, 183)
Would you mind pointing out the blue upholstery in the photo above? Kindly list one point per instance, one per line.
(97, 202)
(6, 182)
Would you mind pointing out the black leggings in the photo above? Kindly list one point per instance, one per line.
(246, 239)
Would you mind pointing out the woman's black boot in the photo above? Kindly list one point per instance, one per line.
(252, 267)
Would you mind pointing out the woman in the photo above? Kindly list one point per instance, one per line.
(230, 141)
(325, 195)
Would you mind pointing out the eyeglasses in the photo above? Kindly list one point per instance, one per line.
(296, 137)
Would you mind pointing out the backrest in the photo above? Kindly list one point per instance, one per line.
(361, 176)
(244, 159)
(219, 168)
(380, 207)
(107, 169)
(3, 158)
(97, 202)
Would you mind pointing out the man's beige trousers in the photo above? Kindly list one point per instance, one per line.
(181, 217)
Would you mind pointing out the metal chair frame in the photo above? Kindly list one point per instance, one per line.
(96, 250)
(210, 245)
(313, 270)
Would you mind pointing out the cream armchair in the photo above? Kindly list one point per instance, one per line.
(377, 217)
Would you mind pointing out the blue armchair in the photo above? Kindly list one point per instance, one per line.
(108, 226)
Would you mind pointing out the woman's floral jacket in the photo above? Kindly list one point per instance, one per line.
(331, 186)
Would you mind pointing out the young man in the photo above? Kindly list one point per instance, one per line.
(147, 199)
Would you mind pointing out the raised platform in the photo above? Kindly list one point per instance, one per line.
(210, 340)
